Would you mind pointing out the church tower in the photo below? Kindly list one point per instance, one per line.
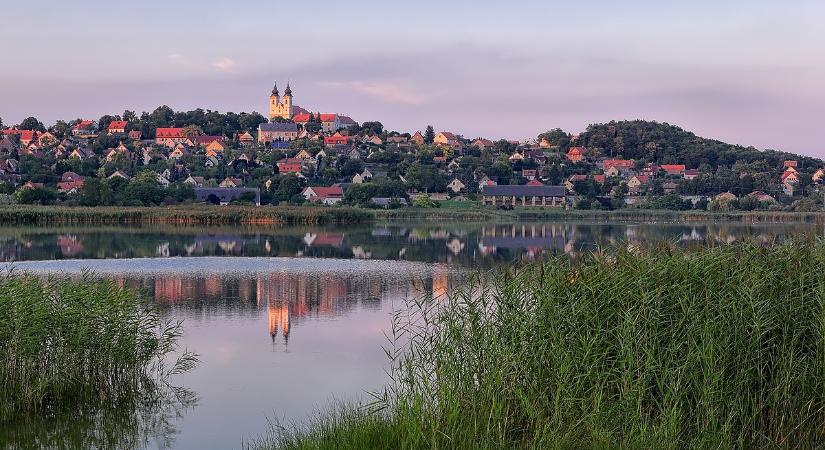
(278, 109)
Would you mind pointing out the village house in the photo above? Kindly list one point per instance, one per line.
(215, 147)
(789, 177)
(117, 127)
(231, 182)
(277, 132)
(119, 174)
(26, 136)
(456, 185)
(482, 144)
(170, 136)
(674, 169)
(245, 139)
(418, 138)
(397, 140)
(289, 165)
(362, 177)
(195, 181)
(637, 181)
(517, 156)
(70, 182)
(84, 128)
(529, 196)
(324, 195)
(225, 195)
(575, 154)
(32, 185)
(337, 139)
(82, 154)
(447, 139)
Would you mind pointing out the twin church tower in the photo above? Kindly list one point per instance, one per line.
(279, 109)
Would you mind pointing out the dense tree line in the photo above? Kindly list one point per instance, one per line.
(668, 144)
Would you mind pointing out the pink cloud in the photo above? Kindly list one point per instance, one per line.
(387, 92)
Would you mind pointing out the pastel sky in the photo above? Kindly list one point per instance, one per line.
(745, 71)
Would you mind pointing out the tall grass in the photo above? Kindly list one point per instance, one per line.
(721, 348)
(76, 345)
(188, 215)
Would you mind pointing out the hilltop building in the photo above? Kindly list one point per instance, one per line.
(283, 108)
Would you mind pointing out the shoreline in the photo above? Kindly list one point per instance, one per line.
(214, 216)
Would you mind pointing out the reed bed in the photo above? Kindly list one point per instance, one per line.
(81, 345)
(268, 216)
(663, 348)
(194, 215)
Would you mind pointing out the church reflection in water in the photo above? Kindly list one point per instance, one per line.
(288, 299)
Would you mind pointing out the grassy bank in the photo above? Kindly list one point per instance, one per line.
(68, 347)
(722, 348)
(265, 216)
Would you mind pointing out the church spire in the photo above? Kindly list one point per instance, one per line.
(288, 90)
(275, 89)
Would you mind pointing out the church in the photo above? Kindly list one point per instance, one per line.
(284, 108)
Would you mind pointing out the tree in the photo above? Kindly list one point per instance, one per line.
(429, 135)
(31, 123)
(289, 186)
(556, 138)
(36, 196)
(144, 189)
(130, 116)
(95, 192)
(372, 127)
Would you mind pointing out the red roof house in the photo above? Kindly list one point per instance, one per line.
(117, 127)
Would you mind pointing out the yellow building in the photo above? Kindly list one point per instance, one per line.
(281, 109)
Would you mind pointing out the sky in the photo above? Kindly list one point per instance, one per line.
(746, 72)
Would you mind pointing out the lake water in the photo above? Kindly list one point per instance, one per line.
(287, 320)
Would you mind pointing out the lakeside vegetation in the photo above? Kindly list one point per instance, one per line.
(78, 353)
(218, 216)
(720, 348)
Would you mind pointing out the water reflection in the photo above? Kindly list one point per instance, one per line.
(286, 319)
(458, 244)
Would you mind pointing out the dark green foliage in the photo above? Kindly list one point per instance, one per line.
(362, 194)
(212, 123)
(36, 196)
(31, 123)
(70, 344)
(95, 192)
(429, 135)
(668, 144)
(718, 348)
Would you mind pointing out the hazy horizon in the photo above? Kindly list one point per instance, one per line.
(747, 72)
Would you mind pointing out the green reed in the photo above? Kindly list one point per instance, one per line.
(71, 345)
(666, 348)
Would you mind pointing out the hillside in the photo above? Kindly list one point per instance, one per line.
(669, 144)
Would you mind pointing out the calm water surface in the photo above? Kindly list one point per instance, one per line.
(287, 320)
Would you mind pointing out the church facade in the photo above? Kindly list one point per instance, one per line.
(278, 108)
